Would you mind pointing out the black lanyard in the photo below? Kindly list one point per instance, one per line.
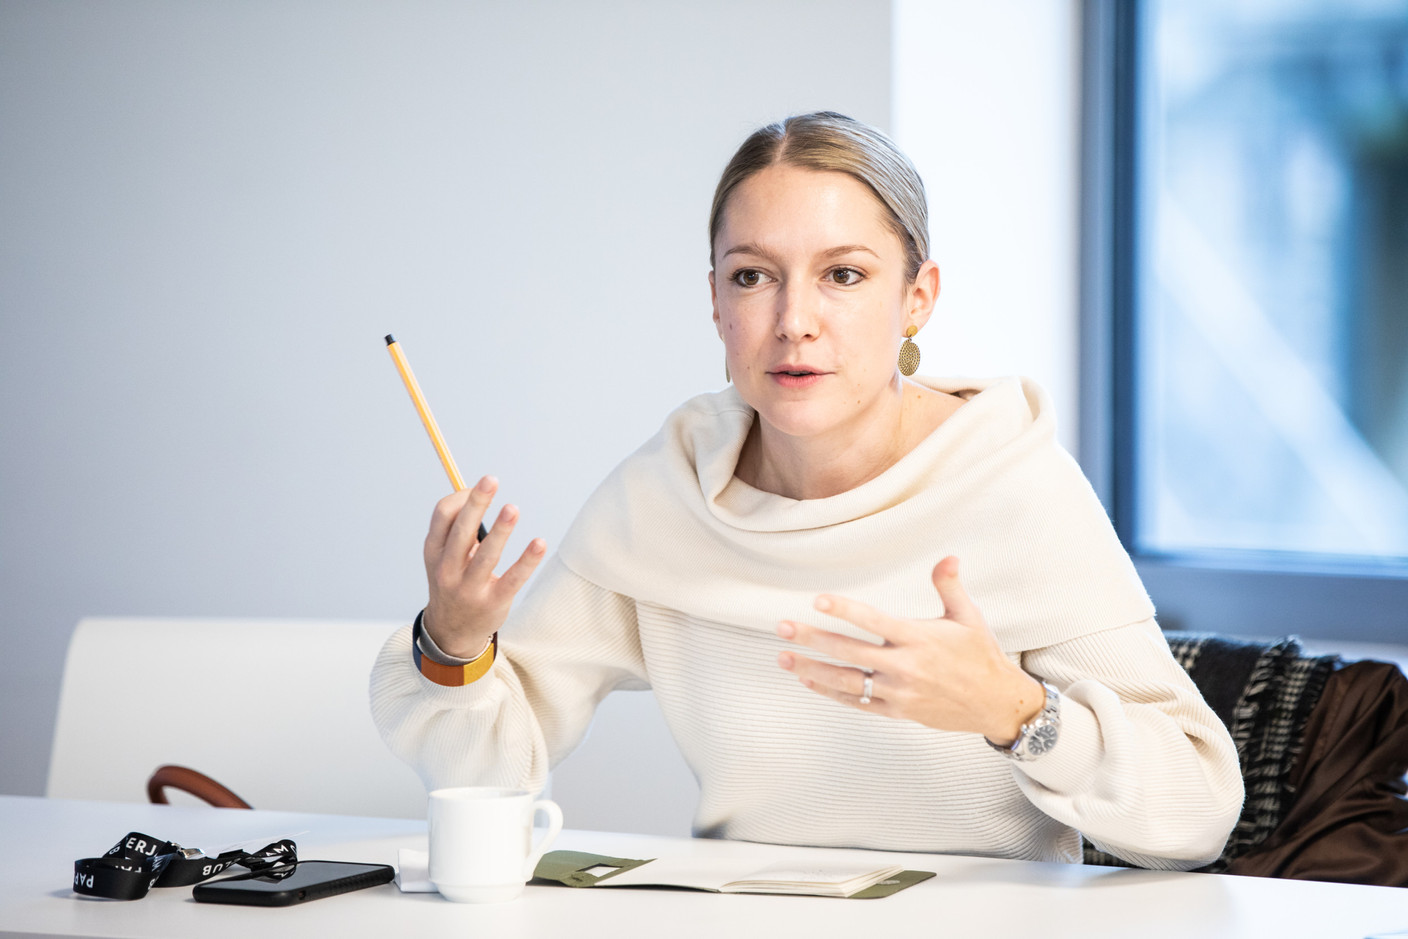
(139, 862)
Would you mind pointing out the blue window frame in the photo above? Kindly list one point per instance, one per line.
(1244, 374)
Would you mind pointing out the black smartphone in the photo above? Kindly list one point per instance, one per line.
(309, 880)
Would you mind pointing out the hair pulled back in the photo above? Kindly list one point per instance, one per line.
(825, 140)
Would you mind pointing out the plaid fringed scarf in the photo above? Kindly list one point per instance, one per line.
(1263, 692)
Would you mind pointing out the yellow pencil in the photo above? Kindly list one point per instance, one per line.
(426, 418)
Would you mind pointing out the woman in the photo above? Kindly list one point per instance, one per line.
(781, 565)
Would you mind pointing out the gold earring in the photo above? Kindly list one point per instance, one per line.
(728, 379)
(909, 353)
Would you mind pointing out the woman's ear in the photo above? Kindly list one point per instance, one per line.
(714, 300)
(923, 294)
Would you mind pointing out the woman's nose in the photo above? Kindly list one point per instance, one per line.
(798, 313)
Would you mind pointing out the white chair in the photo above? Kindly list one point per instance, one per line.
(276, 710)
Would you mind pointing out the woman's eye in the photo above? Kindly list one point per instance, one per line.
(748, 278)
(846, 276)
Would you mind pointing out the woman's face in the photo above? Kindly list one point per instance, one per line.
(811, 300)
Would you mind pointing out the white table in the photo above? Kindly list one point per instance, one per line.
(41, 838)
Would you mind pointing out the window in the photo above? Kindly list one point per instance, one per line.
(1246, 298)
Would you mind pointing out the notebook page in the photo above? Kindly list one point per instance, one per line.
(697, 872)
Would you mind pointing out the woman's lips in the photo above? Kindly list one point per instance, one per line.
(801, 377)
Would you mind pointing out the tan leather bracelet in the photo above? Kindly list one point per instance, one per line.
(451, 676)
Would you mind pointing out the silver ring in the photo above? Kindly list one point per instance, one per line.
(867, 688)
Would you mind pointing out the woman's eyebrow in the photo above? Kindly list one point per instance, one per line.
(847, 249)
(752, 248)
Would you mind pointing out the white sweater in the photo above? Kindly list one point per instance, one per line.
(674, 577)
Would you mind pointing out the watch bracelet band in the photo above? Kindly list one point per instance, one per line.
(451, 676)
(1039, 735)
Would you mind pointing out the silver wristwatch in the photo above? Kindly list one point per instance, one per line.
(1038, 735)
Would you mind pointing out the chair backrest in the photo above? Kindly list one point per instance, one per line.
(277, 710)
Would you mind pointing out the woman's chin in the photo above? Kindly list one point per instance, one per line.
(799, 421)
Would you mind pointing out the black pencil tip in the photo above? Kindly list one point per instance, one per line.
(390, 339)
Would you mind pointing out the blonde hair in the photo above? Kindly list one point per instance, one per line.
(825, 140)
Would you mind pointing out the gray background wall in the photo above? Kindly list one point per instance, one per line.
(210, 214)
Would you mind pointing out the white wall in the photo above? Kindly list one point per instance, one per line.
(986, 103)
(210, 214)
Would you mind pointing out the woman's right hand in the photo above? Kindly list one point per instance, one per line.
(468, 603)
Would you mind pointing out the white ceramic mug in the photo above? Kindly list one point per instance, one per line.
(481, 841)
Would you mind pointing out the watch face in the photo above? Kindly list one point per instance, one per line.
(1041, 738)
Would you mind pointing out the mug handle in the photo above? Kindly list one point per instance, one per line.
(554, 814)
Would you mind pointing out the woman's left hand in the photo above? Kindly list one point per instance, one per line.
(946, 673)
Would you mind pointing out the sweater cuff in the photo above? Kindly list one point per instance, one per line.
(1071, 764)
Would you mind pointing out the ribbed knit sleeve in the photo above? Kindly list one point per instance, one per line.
(1143, 766)
(566, 646)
